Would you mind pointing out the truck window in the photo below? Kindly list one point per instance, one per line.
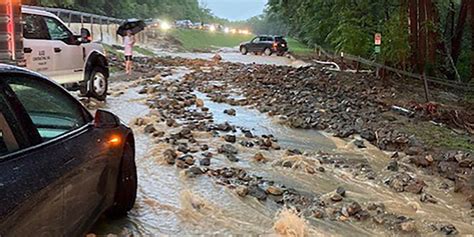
(34, 27)
(57, 30)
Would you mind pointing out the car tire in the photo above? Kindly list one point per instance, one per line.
(126, 191)
(244, 50)
(267, 52)
(97, 84)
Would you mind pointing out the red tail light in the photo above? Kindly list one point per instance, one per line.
(11, 29)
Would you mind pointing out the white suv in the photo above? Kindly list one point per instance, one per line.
(52, 49)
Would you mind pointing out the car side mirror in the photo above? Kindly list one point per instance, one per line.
(85, 36)
(106, 119)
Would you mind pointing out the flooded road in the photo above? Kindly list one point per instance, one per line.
(232, 55)
(170, 202)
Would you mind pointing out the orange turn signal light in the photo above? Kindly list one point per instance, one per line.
(115, 140)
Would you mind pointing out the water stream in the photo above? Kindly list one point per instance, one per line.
(172, 204)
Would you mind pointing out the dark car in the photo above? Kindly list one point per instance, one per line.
(60, 168)
(265, 44)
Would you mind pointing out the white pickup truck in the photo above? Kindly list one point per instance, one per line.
(41, 41)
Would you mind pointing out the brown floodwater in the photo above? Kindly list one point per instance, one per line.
(169, 203)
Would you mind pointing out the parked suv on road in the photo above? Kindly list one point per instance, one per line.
(49, 47)
(265, 44)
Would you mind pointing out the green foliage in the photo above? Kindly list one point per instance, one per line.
(298, 48)
(396, 49)
(349, 26)
(342, 25)
(349, 37)
(436, 136)
(167, 9)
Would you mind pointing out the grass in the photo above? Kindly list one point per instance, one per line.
(111, 50)
(440, 137)
(143, 51)
(197, 40)
(298, 48)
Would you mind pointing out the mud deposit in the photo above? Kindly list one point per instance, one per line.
(219, 167)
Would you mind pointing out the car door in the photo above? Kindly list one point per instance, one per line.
(38, 48)
(62, 123)
(265, 42)
(31, 191)
(254, 44)
(68, 54)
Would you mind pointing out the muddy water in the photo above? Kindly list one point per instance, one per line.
(235, 57)
(261, 124)
(171, 204)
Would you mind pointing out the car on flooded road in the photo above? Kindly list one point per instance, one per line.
(60, 167)
(267, 45)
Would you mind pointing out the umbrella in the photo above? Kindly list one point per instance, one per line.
(134, 25)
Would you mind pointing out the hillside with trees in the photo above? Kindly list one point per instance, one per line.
(168, 9)
(432, 36)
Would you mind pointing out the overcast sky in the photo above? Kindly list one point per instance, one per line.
(235, 9)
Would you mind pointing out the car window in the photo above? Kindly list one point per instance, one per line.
(8, 142)
(256, 40)
(57, 30)
(52, 111)
(34, 27)
(279, 39)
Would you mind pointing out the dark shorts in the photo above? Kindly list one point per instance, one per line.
(128, 58)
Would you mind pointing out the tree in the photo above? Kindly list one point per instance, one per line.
(459, 30)
(418, 34)
(472, 41)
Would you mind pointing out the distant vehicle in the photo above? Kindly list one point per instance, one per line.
(198, 25)
(207, 26)
(60, 168)
(267, 45)
(152, 23)
(184, 24)
(42, 42)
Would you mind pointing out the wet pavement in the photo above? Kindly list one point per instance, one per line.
(232, 55)
(171, 203)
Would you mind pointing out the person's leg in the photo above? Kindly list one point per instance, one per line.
(127, 64)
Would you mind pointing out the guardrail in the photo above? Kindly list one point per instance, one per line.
(371, 63)
(103, 28)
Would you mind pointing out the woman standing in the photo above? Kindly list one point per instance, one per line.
(128, 41)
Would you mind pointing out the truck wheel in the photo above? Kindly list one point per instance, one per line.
(97, 84)
(244, 50)
(126, 192)
(268, 52)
